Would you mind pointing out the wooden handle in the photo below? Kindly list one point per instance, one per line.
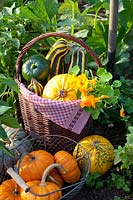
(18, 179)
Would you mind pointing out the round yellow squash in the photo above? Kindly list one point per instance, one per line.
(101, 153)
(60, 87)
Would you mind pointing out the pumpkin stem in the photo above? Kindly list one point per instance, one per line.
(16, 191)
(47, 170)
(33, 66)
(62, 93)
(96, 144)
(31, 157)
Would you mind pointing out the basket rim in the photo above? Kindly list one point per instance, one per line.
(27, 46)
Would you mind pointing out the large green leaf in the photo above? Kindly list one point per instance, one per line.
(4, 109)
(128, 11)
(5, 149)
(66, 9)
(93, 8)
(107, 90)
(98, 38)
(3, 88)
(103, 75)
(96, 1)
(40, 10)
(51, 7)
(10, 121)
(3, 134)
(129, 137)
(7, 11)
(10, 82)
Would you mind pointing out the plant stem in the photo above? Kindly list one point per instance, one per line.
(73, 16)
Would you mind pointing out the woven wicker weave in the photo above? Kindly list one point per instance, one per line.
(35, 121)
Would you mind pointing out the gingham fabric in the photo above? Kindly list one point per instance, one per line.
(67, 114)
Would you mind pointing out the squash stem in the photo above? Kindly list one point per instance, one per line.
(16, 190)
(47, 170)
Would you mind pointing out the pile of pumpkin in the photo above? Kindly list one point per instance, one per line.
(48, 76)
(45, 174)
(42, 173)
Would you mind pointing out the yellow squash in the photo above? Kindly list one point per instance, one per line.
(60, 87)
(101, 153)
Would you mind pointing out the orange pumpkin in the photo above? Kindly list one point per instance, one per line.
(42, 187)
(60, 87)
(9, 190)
(33, 164)
(101, 153)
(70, 166)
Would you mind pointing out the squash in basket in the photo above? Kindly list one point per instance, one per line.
(101, 153)
(60, 87)
(33, 164)
(35, 87)
(37, 67)
(69, 164)
(42, 188)
(9, 190)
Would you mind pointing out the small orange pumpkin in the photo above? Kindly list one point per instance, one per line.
(9, 190)
(42, 187)
(70, 166)
(33, 164)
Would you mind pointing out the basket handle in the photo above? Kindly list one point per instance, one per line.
(53, 34)
(17, 179)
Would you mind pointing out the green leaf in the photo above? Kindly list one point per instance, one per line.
(107, 90)
(5, 149)
(41, 11)
(51, 7)
(117, 159)
(130, 128)
(10, 121)
(6, 35)
(95, 113)
(66, 8)
(81, 33)
(3, 134)
(129, 137)
(8, 11)
(15, 42)
(74, 70)
(3, 54)
(10, 82)
(116, 83)
(98, 39)
(4, 109)
(103, 75)
(3, 88)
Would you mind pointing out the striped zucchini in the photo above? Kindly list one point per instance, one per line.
(56, 57)
(77, 58)
(35, 87)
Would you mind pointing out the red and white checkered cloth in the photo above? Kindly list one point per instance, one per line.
(67, 114)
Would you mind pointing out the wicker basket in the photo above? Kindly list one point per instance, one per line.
(33, 119)
(52, 144)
